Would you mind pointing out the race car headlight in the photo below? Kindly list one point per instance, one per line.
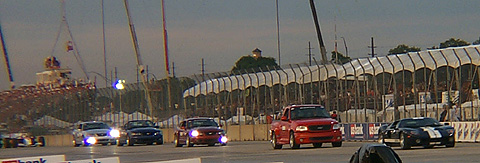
(194, 133)
(336, 126)
(91, 140)
(115, 133)
(223, 139)
(158, 133)
(450, 131)
(301, 128)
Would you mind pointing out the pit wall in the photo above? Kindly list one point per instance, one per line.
(464, 132)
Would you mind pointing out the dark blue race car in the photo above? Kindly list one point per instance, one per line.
(140, 132)
(421, 131)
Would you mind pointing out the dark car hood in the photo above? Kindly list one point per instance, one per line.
(382, 154)
(430, 127)
(146, 129)
(209, 128)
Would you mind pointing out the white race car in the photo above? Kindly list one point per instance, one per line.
(94, 132)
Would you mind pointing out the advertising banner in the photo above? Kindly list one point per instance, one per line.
(36, 159)
(97, 160)
(357, 131)
(373, 131)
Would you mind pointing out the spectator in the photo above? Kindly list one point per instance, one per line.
(334, 115)
(443, 114)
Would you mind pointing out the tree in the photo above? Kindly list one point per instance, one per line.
(402, 48)
(452, 42)
(341, 58)
(248, 63)
(476, 42)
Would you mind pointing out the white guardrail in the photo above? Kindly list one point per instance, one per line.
(467, 131)
(61, 159)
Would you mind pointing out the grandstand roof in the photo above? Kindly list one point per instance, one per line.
(412, 61)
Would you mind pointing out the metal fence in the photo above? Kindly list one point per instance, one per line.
(379, 89)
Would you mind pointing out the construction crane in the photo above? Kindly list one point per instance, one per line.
(140, 66)
(7, 62)
(323, 51)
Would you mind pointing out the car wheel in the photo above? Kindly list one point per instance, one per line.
(14, 143)
(177, 142)
(403, 142)
(189, 143)
(41, 140)
(129, 141)
(6, 142)
(293, 144)
(159, 142)
(75, 144)
(450, 144)
(337, 144)
(223, 144)
(317, 145)
(275, 144)
(119, 142)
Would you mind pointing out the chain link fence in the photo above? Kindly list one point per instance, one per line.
(379, 89)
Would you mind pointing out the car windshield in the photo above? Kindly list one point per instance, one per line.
(91, 126)
(309, 112)
(419, 122)
(202, 123)
(137, 124)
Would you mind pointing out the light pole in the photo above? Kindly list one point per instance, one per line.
(119, 86)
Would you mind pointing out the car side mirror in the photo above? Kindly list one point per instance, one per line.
(446, 124)
(284, 118)
(220, 125)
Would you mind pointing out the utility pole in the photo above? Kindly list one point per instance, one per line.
(203, 69)
(173, 69)
(373, 49)
(336, 50)
(104, 47)
(309, 54)
(278, 34)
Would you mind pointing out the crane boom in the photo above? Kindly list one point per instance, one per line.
(7, 62)
(140, 66)
(323, 51)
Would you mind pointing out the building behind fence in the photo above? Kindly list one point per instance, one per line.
(364, 90)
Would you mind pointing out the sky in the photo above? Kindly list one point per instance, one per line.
(220, 32)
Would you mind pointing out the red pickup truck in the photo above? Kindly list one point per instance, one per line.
(305, 124)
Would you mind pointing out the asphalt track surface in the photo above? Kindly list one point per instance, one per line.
(251, 151)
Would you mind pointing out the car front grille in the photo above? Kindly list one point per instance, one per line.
(211, 133)
(101, 134)
(319, 127)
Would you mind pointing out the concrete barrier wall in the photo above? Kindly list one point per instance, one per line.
(58, 140)
(464, 132)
